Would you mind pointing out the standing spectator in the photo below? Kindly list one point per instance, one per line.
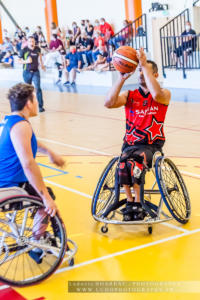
(30, 57)
(105, 28)
(73, 63)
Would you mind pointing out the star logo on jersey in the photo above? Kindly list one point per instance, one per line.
(155, 129)
(135, 136)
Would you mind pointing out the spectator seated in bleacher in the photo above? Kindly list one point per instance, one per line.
(96, 27)
(122, 38)
(55, 56)
(8, 60)
(101, 59)
(85, 47)
(76, 32)
(106, 29)
(99, 41)
(188, 44)
(73, 65)
(5, 47)
(89, 29)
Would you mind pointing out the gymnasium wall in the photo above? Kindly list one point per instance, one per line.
(112, 10)
(31, 12)
(26, 13)
(175, 6)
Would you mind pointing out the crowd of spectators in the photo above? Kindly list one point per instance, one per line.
(78, 48)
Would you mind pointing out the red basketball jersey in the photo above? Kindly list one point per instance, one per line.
(144, 119)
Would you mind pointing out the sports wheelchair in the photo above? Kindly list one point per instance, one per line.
(108, 199)
(17, 266)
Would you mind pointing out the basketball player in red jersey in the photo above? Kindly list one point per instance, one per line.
(145, 110)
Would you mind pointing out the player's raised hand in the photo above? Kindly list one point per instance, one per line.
(142, 57)
(125, 76)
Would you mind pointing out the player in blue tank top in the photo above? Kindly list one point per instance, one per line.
(18, 147)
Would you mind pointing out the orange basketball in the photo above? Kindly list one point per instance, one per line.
(125, 59)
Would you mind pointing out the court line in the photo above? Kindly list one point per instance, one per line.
(3, 287)
(74, 147)
(190, 174)
(68, 189)
(52, 168)
(128, 250)
(175, 227)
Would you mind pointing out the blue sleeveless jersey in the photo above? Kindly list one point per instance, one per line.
(11, 171)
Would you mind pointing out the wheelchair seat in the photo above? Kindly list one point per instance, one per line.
(11, 191)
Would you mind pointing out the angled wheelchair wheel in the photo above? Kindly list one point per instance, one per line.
(29, 255)
(173, 189)
(104, 194)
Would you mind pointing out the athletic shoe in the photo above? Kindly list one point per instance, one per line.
(41, 109)
(133, 212)
(66, 83)
(73, 83)
(36, 255)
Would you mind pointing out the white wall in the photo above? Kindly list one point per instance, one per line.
(31, 12)
(26, 13)
(112, 10)
(175, 6)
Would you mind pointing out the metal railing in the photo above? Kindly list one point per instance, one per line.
(170, 35)
(196, 2)
(134, 35)
(181, 53)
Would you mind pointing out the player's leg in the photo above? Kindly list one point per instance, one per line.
(36, 81)
(73, 71)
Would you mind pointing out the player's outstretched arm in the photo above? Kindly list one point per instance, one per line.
(114, 99)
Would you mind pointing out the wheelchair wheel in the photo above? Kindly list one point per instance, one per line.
(173, 189)
(26, 256)
(104, 194)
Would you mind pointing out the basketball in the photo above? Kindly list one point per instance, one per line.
(125, 59)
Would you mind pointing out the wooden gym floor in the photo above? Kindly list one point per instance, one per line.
(87, 135)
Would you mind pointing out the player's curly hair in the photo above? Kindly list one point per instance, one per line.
(19, 94)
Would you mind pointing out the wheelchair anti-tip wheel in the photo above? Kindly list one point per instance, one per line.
(173, 189)
(18, 265)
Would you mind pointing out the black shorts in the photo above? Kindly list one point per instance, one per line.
(132, 162)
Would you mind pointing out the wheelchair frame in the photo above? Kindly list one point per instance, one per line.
(153, 218)
(17, 232)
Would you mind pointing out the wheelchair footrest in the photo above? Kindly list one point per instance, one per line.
(114, 206)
